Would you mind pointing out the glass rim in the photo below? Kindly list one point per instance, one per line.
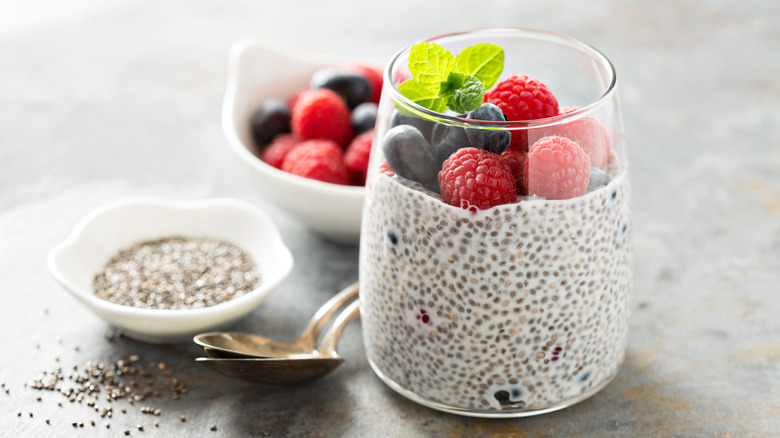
(536, 123)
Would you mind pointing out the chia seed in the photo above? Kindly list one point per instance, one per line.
(177, 273)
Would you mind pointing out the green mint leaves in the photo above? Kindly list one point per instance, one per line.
(441, 80)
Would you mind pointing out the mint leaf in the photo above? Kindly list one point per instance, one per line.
(430, 64)
(462, 93)
(483, 60)
(428, 98)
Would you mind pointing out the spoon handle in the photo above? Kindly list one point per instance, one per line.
(332, 336)
(312, 331)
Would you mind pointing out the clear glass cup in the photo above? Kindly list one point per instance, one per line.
(513, 310)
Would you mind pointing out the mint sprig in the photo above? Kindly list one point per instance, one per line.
(441, 80)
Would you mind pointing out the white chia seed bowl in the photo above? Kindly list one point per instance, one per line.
(119, 225)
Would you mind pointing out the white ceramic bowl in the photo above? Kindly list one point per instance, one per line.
(118, 225)
(259, 70)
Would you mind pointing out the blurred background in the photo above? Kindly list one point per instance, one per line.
(101, 100)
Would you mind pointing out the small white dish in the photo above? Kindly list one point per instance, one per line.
(118, 225)
(259, 70)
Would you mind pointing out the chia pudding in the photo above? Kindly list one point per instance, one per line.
(519, 307)
(495, 251)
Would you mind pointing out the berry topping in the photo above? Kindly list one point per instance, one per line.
(357, 154)
(523, 97)
(363, 117)
(374, 77)
(515, 158)
(275, 153)
(385, 169)
(590, 134)
(598, 178)
(270, 120)
(322, 160)
(557, 168)
(321, 114)
(446, 140)
(473, 178)
(409, 155)
(496, 141)
(423, 125)
(353, 87)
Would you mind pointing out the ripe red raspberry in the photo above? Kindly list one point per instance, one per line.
(557, 168)
(374, 77)
(515, 158)
(590, 134)
(322, 160)
(523, 98)
(275, 152)
(321, 114)
(356, 157)
(474, 178)
(385, 168)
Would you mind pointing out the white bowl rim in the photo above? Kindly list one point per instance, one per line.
(237, 51)
(265, 285)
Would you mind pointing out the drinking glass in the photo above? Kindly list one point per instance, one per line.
(508, 311)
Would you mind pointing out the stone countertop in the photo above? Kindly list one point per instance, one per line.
(125, 99)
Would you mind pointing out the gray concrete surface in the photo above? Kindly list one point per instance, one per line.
(125, 100)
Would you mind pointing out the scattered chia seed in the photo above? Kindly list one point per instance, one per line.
(183, 419)
(127, 431)
(213, 427)
(177, 273)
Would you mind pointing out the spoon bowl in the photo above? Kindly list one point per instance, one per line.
(247, 345)
(288, 369)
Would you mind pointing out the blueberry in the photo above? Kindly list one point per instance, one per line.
(270, 120)
(495, 141)
(598, 178)
(364, 117)
(446, 139)
(392, 237)
(423, 125)
(354, 88)
(409, 155)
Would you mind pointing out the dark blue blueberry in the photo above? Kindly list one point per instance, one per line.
(270, 120)
(409, 155)
(392, 237)
(495, 141)
(502, 397)
(446, 139)
(598, 178)
(363, 117)
(354, 88)
(423, 125)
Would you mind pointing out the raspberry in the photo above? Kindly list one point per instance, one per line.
(474, 178)
(590, 134)
(374, 77)
(523, 98)
(321, 114)
(275, 152)
(356, 157)
(515, 158)
(322, 160)
(557, 168)
(385, 168)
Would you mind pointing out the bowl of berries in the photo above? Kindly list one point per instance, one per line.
(302, 126)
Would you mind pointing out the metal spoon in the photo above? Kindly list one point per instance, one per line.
(247, 345)
(292, 369)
